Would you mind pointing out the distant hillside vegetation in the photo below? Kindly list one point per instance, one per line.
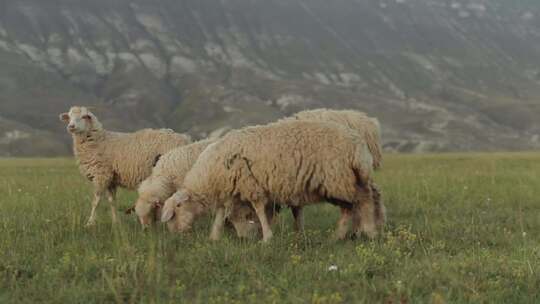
(441, 75)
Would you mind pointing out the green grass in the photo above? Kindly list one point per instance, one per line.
(461, 228)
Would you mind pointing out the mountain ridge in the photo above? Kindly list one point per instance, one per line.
(440, 75)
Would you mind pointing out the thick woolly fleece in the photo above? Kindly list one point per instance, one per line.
(288, 162)
(167, 176)
(112, 159)
(366, 126)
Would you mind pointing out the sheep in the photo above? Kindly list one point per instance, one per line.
(369, 127)
(295, 163)
(113, 159)
(167, 175)
(366, 126)
(241, 216)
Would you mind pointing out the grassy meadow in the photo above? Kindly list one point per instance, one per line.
(462, 228)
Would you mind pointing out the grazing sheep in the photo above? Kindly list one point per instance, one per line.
(368, 127)
(241, 216)
(166, 177)
(112, 159)
(290, 162)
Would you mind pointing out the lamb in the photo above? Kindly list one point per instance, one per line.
(295, 163)
(366, 126)
(113, 159)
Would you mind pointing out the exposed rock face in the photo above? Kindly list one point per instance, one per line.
(440, 74)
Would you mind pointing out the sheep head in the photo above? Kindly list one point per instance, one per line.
(184, 208)
(80, 121)
(147, 211)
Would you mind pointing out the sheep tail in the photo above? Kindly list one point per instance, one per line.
(363, 166)
(374, 148)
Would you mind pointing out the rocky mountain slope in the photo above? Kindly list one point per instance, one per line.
(441, 75)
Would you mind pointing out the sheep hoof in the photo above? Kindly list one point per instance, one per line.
(364, 236)
(370, 234)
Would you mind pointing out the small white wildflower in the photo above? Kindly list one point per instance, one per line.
(251, 222)
(524, 234)
(333, 268)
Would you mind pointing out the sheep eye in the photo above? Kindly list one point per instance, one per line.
(87, 117)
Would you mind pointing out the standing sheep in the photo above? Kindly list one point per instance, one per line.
(112, 159)
(367, 127)
(292, 162)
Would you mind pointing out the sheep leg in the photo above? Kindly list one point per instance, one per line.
(242, 218)
(343, 224)
(380, 209)
(260, 209)
(97, 198)
(271, 211)
(364, 214)
(219, 222)
(111, 196)
(298, 215)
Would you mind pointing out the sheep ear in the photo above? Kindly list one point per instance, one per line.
(184, 197)
(167, 214)
(64, 117)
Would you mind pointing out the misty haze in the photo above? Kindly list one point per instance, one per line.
(270, 151)
(440, 75)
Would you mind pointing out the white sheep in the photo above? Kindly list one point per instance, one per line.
(368, 127)
(290, 162)
(113, 159)
(168, 176)
(240, 215)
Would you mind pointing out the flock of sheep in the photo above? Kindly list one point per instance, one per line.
(244, 177)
